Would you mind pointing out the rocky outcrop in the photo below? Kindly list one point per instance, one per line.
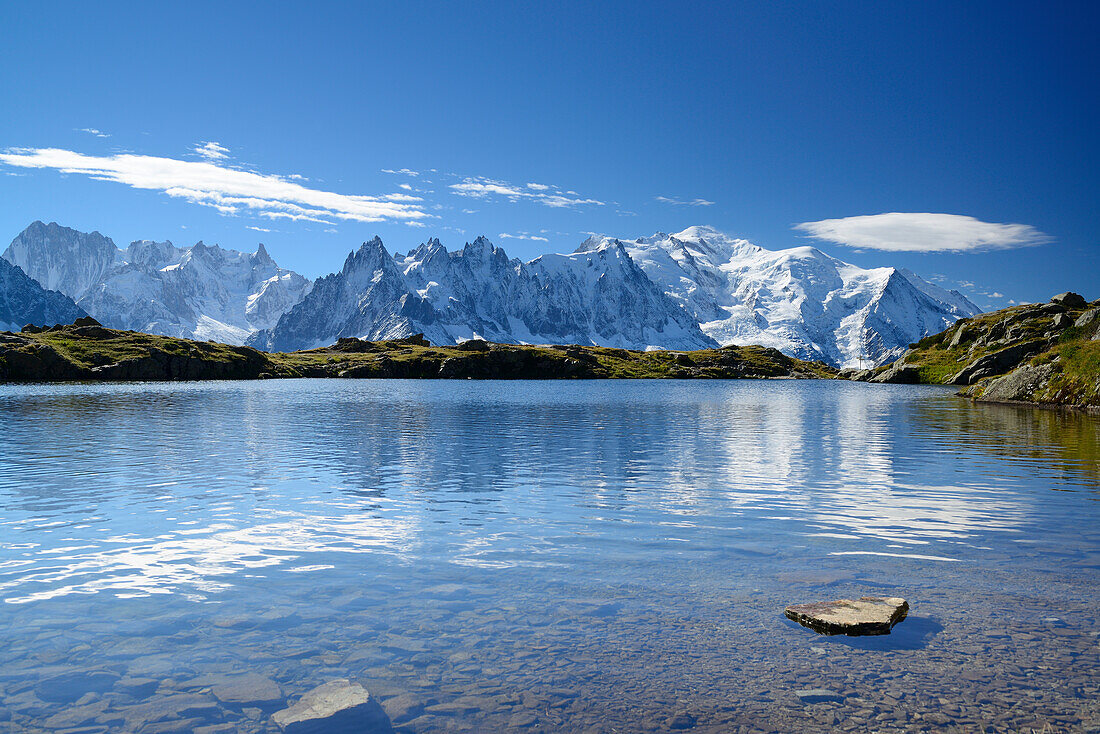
(899, 373)
(868, 615)
(1038, 353)
(1069, 300)
(996, 363)
(1019, 385)
(1087, 319)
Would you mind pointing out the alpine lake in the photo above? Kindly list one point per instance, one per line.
(543, 556)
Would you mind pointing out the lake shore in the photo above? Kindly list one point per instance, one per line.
(86, 351)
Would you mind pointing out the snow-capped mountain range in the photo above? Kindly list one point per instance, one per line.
(694, 289)
(200, 292)
(697, 288)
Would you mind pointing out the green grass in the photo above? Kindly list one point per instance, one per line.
(1077, 378)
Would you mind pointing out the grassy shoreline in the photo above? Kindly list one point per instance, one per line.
(89, 352)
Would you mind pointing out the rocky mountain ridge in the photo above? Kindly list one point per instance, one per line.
(598, 298)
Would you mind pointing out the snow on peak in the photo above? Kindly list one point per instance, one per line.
(799, 300)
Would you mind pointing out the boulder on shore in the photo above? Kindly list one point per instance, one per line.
(899, 374)
(868, 615)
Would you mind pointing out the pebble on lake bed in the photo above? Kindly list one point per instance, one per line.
(868, 615)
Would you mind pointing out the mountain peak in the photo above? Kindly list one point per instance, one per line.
(260, 256)
(369, 253)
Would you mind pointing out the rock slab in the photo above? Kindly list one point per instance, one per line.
(333, 708)
(868, 615)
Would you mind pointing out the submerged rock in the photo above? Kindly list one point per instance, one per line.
(818, 695)
(868, 615)
(69, 687)
(332, 708)
(249, 689)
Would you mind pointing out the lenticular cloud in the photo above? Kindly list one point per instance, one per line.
(229, 190)
(922, 232)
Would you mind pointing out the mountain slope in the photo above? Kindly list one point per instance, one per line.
(23, 301)
(204, 292)
(800, 300)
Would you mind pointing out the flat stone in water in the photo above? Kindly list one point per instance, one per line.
(332, 708)
(868, 615)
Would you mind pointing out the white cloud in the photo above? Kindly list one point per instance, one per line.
(922, 232)
(995, 294)
(93, 131)
(212, 151)
(522, 236)
(402, 171)
(407, 187)
(479, 187)
(676, 201)
(228, 190)
(258, 229)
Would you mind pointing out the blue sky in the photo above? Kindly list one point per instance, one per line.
(542, 122)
